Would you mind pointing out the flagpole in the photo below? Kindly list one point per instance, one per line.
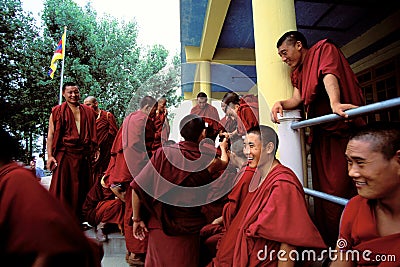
(62, 66)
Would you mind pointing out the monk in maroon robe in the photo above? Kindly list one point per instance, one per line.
(106, 128)
(161, 124)
(323, 81)
(370, 224)
(130, 152)
(271, 213)
(244, 110)
(101, 207)
(208, 113)
(173, 221)
(71, 147)
(36, 230)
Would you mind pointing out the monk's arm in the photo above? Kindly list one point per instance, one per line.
(331, 84)
(288, 104)
(139, 228)
(51, 161)
(222, 162)
(287, 262)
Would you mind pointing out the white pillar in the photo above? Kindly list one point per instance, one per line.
(290, 143)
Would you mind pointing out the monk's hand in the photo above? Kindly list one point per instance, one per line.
(139, 229)
(340, 109)
(277, 108)
(219, 220)
(51, 163)
(224, 144)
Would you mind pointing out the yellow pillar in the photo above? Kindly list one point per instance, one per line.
(205, 78)
(271, 20)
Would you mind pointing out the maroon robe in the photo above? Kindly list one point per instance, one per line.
(35, 224)
(102, 206)
(161, 130)
(359, 228)
(130, 153)
(173, 230)
(247, 114)
(212, 233)
(74, 153)
(329, 140)
(106, 128)
(210, 116)
(270, 215)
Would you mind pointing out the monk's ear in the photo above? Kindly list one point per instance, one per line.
(270, 147)
(298, 45)
(397, 156)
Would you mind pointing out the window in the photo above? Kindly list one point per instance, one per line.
(379, 83)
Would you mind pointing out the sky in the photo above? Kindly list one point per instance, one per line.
(157, 20)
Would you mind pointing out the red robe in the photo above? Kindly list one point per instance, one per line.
(162, 130)
(132, 145)
(270, 215)
(212, 233)
(210, 116)
(74, 153)
(33, 223)
(102, 206)
(247, 114)
(106, 127)
(329, 140)
(173, 230)
(358, 228)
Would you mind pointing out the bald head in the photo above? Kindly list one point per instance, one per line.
(91, 101)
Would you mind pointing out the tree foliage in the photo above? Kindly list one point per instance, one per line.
(102, 57)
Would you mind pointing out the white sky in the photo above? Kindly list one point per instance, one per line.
(158, 20)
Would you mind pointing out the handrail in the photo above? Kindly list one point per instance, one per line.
(331, 198)
(387, 104)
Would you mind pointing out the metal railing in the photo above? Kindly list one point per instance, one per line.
(367, 109)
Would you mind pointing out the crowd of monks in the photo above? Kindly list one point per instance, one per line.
(192, 203)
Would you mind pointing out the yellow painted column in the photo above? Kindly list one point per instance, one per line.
(271, 18)
(205, 78)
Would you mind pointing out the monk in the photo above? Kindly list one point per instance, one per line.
(271, 213)
(166, 212)
(208, 113)
(324, 83)
(371, 220)
(131, 151)
(106, 128)
(244, 110)
(71, 147)
(232, 181)
(102, 208)
(36, 230)
(161, 124)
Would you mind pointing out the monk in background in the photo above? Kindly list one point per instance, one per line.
(130, 152)
(209, 115)
(243, 110)
(36, 230)
(71, 147)
(102, 208)
(324, 83)
(273, 214)
(161, 124)
(173, 229)
(371, 220)
(106, 128)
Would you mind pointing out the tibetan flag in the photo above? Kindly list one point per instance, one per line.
(58, 54)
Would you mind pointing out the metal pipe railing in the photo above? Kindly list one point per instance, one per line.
(331, 198)
(363, 110)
